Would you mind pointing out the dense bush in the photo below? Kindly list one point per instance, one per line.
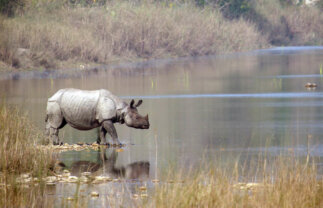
(8, 7)
(230, 8)
(87, 2)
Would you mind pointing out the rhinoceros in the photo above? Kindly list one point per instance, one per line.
(85, 110)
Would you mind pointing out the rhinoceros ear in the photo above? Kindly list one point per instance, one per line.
(131, 103)
(139, 103)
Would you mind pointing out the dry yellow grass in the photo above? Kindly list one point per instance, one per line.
(289, 25)
(120, 31)
(58, 34)
(288, 184)
(18, 154)
(18, 140)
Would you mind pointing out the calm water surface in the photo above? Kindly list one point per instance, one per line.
(235, 106)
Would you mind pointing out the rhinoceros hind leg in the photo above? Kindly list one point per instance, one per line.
(54, 136)
(54, 121)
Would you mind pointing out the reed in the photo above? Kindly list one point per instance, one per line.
(18, 145)
(288, 183)
(20, 155)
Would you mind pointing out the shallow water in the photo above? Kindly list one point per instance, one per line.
(235, 106)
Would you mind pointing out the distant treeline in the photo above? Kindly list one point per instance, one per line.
(66, 33)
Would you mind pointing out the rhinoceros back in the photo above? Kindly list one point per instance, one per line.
(80, 108)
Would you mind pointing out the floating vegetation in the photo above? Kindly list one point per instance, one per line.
(80, 146)
(248, 186)
(73, 179)
(84, 179)
(116, 180)
(66, 173)
(70, 198)
(144, 195)
(311, 85)
(87, 174)
(94, 194)
(142, 188)
(66, 177)
(135, 196)
(101, 179)
(51, 180)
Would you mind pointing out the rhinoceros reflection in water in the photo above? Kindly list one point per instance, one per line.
(106, 166)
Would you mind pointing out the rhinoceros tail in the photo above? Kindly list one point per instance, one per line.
(46, 119)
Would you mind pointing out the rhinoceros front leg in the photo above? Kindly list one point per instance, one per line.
(107, 126)
(102, 134)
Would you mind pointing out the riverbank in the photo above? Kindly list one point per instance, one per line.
(56, 35)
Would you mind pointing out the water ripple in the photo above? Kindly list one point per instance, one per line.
(292, 76)
(238, 95)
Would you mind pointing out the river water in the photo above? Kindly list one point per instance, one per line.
(235, 106)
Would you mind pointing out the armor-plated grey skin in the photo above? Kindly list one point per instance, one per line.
(85, 110)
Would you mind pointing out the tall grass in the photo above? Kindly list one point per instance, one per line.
(289, 183)
(120, 31)
(288, 25)
(18, 154)
(45, 34)
(18, 140)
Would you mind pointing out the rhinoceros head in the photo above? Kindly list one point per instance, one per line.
(133, 119)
